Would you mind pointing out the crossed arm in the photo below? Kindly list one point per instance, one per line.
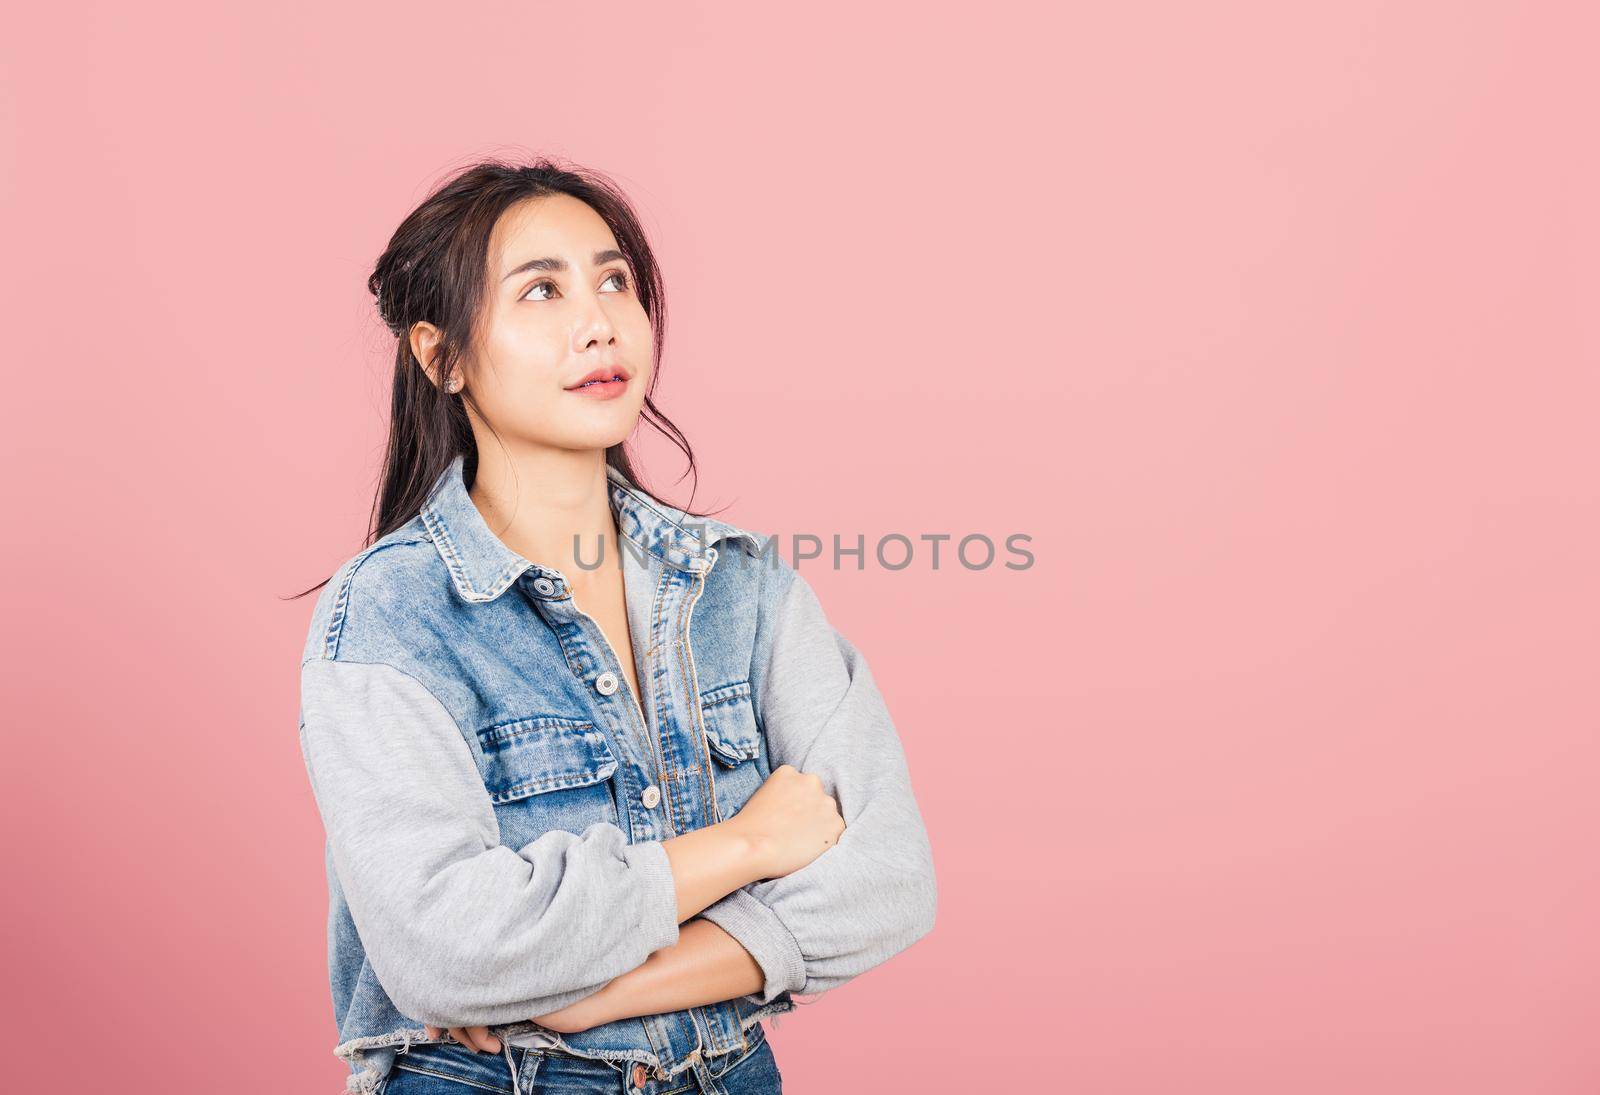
(462, 930)
(860, 902)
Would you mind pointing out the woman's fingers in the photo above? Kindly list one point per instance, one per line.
(477, 1038)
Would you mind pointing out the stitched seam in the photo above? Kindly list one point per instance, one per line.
(728, 748)
(510, 572)
(728, 754)
(683, 672)
(503, 732)
(749, 1045)
(726, 694)
(713, 526)
(538, 785)
(450, 554)
(625, 499)
(644, 503)
(708, 807)
(341, 604)
(452, 1077)
(655, 745)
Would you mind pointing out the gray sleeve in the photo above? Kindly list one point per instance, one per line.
(873, 894)
(460, 929)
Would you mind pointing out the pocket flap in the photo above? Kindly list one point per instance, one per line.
(731, 729)
(543, 753)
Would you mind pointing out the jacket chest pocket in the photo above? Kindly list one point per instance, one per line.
(547, 772)
(735, 743)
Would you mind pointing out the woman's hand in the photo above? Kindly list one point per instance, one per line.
(591, 1011)
(790, 820)
(477, 1038)
(575, 1018)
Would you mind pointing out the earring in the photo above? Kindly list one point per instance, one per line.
(453, 384)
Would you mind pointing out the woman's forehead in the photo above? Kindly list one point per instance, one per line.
(553, 226)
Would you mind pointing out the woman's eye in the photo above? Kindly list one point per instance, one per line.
(616, 275)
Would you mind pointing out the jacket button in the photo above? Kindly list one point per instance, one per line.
(544, 587)
(606, 683)
(651, 796)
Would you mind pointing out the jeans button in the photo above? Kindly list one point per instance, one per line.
(651, 796)
(606, 683)
(544, 587)
(640, 1076)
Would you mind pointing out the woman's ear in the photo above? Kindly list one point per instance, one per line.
(425, 338)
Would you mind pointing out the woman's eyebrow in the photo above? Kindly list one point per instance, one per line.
(560, 264)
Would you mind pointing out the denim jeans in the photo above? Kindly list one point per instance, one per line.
(452, 1069)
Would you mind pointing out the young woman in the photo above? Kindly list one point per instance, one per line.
(602, 786)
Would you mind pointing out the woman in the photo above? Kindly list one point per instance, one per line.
(601, 784)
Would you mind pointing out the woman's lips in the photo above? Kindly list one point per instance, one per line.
(600, 389)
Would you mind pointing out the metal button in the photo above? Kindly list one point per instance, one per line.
(544, 587)
(606, 683)
(651, 796)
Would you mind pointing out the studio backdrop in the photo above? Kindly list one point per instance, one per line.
(1184, 416)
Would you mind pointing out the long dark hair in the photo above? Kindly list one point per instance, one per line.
(435, 270)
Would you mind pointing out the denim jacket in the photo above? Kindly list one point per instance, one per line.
(495, 797)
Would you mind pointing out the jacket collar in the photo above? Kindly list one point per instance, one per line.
(482, 567)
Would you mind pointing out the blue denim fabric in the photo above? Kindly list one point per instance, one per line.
(458, 1070)
(446, 601)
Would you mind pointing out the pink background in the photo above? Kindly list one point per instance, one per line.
(1275, 330)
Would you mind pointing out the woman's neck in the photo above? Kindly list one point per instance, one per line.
(547, 504)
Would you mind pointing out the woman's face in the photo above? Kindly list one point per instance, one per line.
(560, 305)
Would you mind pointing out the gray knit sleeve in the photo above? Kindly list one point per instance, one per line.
(873, 894)
(460, 929)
